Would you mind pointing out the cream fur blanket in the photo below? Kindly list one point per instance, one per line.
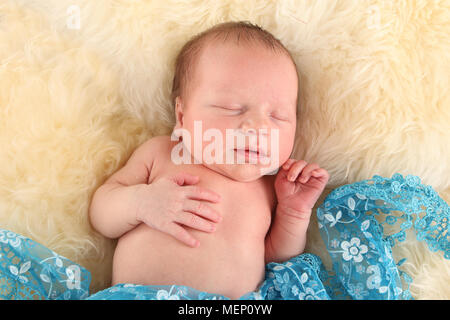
(83, 83)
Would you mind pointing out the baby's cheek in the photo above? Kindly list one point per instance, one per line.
(285, 154)
(284, 147)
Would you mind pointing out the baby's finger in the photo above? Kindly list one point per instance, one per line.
(199, 193)
(317, 172)
(321, 173)
(288, 164)
(295, 169)
(183, 178)
(306, 173)
(179, 233)
(201, 209)
(195, 222)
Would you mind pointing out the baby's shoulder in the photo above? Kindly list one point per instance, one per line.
(159, 142)
(155, 147)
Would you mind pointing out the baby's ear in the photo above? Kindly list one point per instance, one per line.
(178, 113)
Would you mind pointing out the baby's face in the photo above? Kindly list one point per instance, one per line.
(249, 89)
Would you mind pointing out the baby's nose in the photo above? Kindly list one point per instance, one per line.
(249, 130)
(253, 125)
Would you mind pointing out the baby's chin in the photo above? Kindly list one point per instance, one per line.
(241, 172)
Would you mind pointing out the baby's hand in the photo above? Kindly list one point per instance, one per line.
(298, 185)
(169, 203)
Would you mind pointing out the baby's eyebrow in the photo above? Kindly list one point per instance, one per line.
(285, 107)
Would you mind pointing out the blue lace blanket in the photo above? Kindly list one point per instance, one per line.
(352, 222)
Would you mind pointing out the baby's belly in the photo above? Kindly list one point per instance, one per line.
(229, 261)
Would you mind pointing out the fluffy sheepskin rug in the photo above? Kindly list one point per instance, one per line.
(83, 83)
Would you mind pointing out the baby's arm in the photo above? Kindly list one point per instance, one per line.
(113, 208)
(298, 185)
(167, 204)
(287, 236)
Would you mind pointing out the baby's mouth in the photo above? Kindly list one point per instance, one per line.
(249, 153)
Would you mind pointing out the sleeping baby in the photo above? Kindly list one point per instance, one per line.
(211, 205)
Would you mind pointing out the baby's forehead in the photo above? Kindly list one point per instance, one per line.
(211, 46)
(230, 54)
(210, 56)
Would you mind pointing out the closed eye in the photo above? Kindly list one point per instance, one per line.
(230, 109)
(278, 117)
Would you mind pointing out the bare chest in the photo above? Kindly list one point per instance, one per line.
(245, 207)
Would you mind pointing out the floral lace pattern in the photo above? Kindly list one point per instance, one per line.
(359, 223)
(352, 223)
(28, 270)
(360, 248)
